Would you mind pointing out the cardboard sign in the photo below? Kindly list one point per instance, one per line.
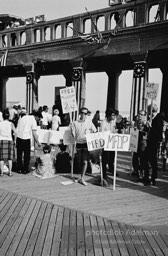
(95, 141)
(151, 91)
(68, 99)
(116, 142)
(134, 135)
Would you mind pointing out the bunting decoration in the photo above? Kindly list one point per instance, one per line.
(87, 38)
(138, 89)
(78, 81)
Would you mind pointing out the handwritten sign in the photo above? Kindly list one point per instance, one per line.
(134, 134)
(68, 99)
(95, 141)
(151, 91)
(116, 142)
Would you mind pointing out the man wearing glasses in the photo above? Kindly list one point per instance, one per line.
(108, 124)
(80, 128)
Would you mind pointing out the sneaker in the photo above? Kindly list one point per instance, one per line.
(83, 182)
(78, 180)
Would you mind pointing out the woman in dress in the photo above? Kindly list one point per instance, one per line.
(56, 121)
(7, 152)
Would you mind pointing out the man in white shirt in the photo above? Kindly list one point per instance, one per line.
(79, 129)
(108, 124)
(26, 128)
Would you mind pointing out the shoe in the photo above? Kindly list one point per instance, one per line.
(147, 183)
(10, 174)
(135, 174)
(153, 182)
(1, 174)
(83, 182)
(78, 180)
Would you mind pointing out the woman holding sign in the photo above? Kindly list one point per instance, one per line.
(108, 124)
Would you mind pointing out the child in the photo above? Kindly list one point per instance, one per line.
(63, 160)
(44, 166)
(56, 121)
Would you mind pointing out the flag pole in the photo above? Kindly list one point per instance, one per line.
(115, 170)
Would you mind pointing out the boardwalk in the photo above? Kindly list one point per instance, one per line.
(44, 217)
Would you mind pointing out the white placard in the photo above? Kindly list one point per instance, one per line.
(151, 91)
(68, 99)
(134, 135)
(116, 142)
(95, 141)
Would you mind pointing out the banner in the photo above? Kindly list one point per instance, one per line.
(134, 135)
(116, 142)
(55, 137)
(68, 99)
(151, 91)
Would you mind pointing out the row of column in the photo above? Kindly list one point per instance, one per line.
(76, 77)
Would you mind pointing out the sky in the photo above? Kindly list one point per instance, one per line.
(54, 9)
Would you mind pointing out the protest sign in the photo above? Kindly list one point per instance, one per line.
(151, 91)
(68, 99)
(116, 142)
(134, 135)
(95, 141)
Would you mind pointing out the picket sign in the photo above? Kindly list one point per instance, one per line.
(68, 99)
(134, 135)
(110, 142)
(151, 91)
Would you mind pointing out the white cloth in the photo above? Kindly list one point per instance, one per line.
(25, 126)
(46, 117)
(5, 130)
(81, 128)
(56, 121)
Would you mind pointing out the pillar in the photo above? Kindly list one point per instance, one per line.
(164, 94)
(3, 93)
(113, 83)
(32, 78)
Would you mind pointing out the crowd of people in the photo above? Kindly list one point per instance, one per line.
(17, 129)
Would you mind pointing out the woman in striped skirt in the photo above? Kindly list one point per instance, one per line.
(7, 152)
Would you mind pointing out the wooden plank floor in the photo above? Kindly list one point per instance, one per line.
(44, 217)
